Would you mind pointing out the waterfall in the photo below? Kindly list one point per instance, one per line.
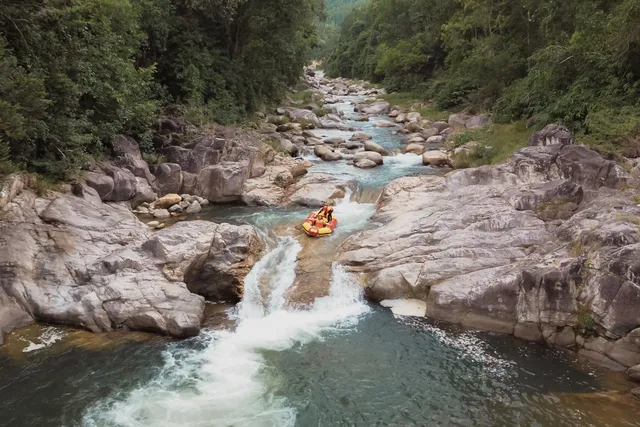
(227, 382)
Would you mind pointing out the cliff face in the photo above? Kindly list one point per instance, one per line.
(545, 247)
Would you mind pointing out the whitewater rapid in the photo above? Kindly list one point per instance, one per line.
(227, 382)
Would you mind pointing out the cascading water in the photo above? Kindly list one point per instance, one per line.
(227, 382)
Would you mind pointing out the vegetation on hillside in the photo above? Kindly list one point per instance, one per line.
(575, 62)
(328, 29)
(75, 72)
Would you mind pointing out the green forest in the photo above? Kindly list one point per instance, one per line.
(576, 62)
(335, 12)
(73, 73)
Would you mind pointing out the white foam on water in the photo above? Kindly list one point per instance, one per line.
(469, 344)
(406, 160)
(228, 382)
(49, 336)
(352, 215)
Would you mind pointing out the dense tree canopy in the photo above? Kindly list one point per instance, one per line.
(76, 72)
(573, 61)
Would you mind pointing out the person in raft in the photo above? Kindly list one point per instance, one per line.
(324, 216)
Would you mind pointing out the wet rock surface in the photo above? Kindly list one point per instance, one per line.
(544, 247)
(75, 262)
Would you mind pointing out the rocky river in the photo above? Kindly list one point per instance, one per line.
(496, 296)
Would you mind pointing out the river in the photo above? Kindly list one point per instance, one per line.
(339, 361)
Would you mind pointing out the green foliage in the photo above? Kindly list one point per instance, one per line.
(494, 144)
(75, 72)
(575, 62)
(6, 167)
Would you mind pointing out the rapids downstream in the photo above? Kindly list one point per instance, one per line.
(333, 361)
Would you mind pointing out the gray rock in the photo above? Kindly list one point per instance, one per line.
(289, 147)
(440, 126)
(175, 209)
(551, 135)
(365, 164)
(360, 136)
(103, 184)
(194, 208)
(168, 178)
(326, 154)
(99, 277)
(439, 139)
(428, 133)
(223, 182)
(161, 213)
(218, 272)
(377, 148)
(368, 155)
(374, 109)
(334, 141)
(298, 170)
(144, 193)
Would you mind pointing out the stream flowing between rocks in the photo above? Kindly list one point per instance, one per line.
(337, 361)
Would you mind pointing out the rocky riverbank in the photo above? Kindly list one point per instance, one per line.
(545, 247)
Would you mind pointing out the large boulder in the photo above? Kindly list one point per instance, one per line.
(222, 182)
(326, 154)
(377, 148)
(316, 190)
(414, 148)
(360, 136)
(374, 109)
(98, 275)
(365, 164)
(385, 124)
(307, 119)
(577, 163)
(289, 147)
(551, 135)
(168, 178)
(168, 200)
(535, 247)
(195, 159)
(101, 183)
(458, 121)
(124, 184)
(369, 155)
(127, 154)
(435, 158)
(219, 273)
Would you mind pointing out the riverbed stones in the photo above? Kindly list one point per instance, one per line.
(161, 213)
(374, 109)
(194, 208)
(435, 158)
(167, 201)
(414, 148)
(385, 124)
(368, 155)
(334, 141)
(360, 136)
(365, 164)
(377, 148)
(551, 135)
(326, 154)
(440, 126)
